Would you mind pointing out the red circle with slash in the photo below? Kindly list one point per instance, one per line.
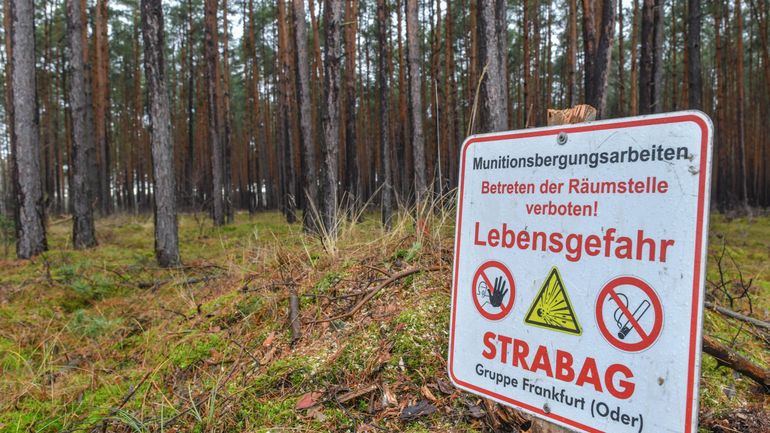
(483, 275)
(648, 336)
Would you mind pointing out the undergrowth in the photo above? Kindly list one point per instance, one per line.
(104, 338)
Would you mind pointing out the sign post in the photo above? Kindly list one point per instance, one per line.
(579, 271)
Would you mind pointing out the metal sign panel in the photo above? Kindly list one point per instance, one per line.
(579, 268)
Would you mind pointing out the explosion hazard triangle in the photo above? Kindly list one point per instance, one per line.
(552, 308)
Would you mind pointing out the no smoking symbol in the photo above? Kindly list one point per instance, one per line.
(493, 290)
(629, 314)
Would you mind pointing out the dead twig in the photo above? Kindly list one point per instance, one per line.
(155, 284)
(738, 316)
(373, 292)
(732, 359)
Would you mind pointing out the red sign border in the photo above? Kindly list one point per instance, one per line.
(654, 300)
(700, 120)
(507, 272)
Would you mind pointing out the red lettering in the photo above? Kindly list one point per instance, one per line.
(494, 237)
(491, 350)
(509, 237)
(476, 240)
(625, 388)
(541, 362)
(520, 352)
(504, 342)
(589, 374)
(564, 369)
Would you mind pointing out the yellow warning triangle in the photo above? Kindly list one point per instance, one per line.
(552, 309)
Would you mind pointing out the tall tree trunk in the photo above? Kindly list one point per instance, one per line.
(621, 61)
(598, 51)
(330, 112)
(82, 147)
(227, 118)
(415, 100)
(385, 144)
(101, 96)
(166, 240)
(634, 79)
(351, 153)
(217, 166)
(739, 107)
(493, 58)
(191, 157)
(649, 91)
(30, 216)
(572, 42)
(694, 79)
(309, 165)
(287, 115)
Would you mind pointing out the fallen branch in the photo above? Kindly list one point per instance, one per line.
(155, 284)
(373, 292)
(736, 361)
(738, 316)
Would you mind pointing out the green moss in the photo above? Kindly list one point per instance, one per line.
(421, 331)
(191, 352)
(260, 416)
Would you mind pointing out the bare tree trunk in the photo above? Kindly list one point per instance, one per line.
(647, 84)
(598, 52)
(227, 133)
(166, 240)
(217, 166)
(101, 105)
(30, 221)
(415, 100)
(287, 115)
(621, 62)
(385, 144)
(492, 56)
(82, 147)
(739, 109)
(572, 92)
(351, 153)
(634, 79)
(309, 167)
(330, 112)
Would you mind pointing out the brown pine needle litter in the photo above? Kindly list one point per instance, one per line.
(103, 340)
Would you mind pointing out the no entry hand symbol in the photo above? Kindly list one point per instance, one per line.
(494, 300)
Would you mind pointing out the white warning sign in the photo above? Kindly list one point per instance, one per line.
(579, 267)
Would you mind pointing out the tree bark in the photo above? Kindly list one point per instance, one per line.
(351, 152)
(217, 167)
(30, 213)
(166, 240)
(415, 100)
(101, 105)
(227, 119)
(83, 235)
(572, 92)
(598, 52)
(493, 57)
(385, 144)
(309, 167)
(739, 108)
(634, 79)
(330, 112)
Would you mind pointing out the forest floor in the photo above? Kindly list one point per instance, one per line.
(104, 340)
